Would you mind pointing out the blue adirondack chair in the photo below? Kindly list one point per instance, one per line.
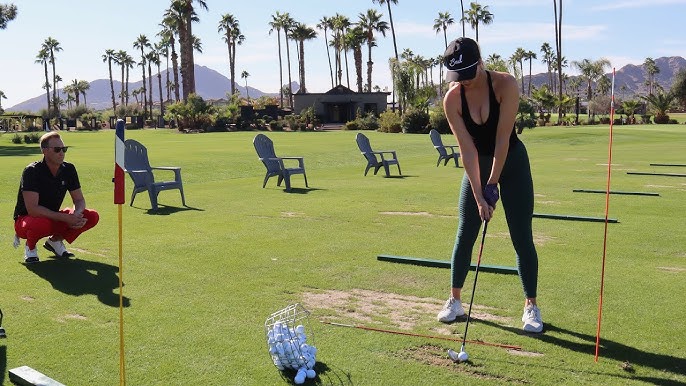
(275, 165)
(138, 167)
(376, 159)
(445, 153)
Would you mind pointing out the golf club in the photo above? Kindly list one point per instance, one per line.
(463, 354)
(2, 330)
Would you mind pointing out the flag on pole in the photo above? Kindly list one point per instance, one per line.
(119, 163)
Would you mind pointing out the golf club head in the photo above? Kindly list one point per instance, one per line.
(2, 333)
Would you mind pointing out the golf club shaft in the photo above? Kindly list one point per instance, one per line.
(476, 275)
(505, 346)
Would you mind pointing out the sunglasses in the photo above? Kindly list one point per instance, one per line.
(57, 149)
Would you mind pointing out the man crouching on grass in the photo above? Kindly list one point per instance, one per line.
(42, 189)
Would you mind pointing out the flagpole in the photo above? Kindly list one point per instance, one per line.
(607, 208)
(119, 184)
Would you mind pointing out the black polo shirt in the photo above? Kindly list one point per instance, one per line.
(51, 189)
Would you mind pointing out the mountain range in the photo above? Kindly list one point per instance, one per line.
(210, 84)
(630, 79)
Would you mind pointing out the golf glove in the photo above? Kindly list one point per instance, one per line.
(491, 194)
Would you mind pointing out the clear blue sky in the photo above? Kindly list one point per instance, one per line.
(623, 31)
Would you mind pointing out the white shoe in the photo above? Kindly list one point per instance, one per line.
(58, 248)
(30, 255)
(451, 310)
(532, 319)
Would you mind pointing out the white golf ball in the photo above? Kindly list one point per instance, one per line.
(300, 379)
(311, 374)
(462, 356)
(300, 329)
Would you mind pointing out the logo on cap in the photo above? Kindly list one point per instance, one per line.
(455, 61)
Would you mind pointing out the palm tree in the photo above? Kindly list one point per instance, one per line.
(166, 36)
(530, 56)
(325, 24)
(651, 70)
(43, 58)
(232, 36)
(245, 75)
(186, 10)
(395, 45)
(548, 60)
(519, 55)
(462, 19)
(660, 104)
(558, 49)
(371, 22)
(288, 23)
(170, 23)
(142, 43)
(155, 59)
(300, 33)
(441, 24)
(340, 25)
(277, 25)
(52, 46)
(354, 38)
(7, 13)
(119, 58)
(630, 108)
(81, 87)
(591, 71)
(150, 58)
(478, 14)
(2, 96)
(107, 57)
(129, 63)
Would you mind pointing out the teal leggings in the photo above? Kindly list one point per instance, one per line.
(517, 200)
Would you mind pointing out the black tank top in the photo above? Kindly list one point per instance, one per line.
(484, 135)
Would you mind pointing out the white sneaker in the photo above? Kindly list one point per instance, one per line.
(58, 248)
(30, 255)
(532, 319)
(451, 310)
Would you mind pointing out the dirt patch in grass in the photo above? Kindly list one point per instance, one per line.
(64, 318)
(672, 269)
(423, 214)
(539, 239)
(291, 214)
(523, 353)
(659, 186)
(437, 356)
(79, 250)
(27, 298)
(392, 310)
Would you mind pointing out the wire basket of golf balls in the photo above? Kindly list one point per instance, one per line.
(291, 341)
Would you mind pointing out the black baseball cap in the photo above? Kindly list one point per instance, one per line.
(461, 59)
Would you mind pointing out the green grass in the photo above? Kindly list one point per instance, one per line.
(200, 281)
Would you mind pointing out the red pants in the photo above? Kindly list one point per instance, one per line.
(35, 228)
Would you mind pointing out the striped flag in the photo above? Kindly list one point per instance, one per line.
(119, 163)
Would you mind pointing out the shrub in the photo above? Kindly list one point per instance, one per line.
(415, 121)
(16, 139)
(351, 125)
(661, 118)
(390, 122)
(438, 120)
(32, 138)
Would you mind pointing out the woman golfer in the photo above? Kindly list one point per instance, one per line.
(481, 108)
